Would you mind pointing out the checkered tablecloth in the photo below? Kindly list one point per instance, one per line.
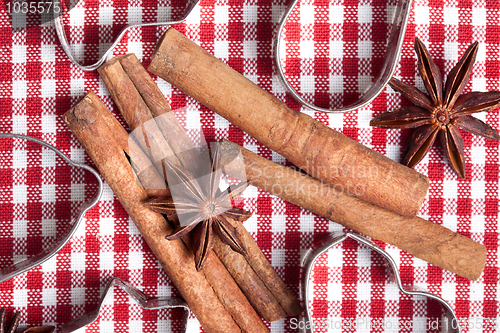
(334, 50)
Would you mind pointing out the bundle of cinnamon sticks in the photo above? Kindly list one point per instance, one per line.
(231, 289)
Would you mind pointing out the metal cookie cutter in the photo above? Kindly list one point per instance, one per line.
(450, 322)
(61, 34)
(144, 301)
(47, 253)
(391, 58)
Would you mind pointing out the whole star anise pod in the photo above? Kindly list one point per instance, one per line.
(14, 323)
(201, 208)
(441, 112)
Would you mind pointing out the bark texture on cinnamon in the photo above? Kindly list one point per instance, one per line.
(86, 121)
(423, 239)
(312, 146)
(263, 288)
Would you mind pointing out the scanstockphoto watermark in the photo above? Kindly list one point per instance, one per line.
(304, 187)
(373, 324)
(341, 171)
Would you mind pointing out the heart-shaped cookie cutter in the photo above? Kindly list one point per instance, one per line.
(51, 250)
(143, 300)
(450, 322)
(393, 51)
(61, 34)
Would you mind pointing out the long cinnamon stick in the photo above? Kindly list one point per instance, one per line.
(312, 146)
(86, 121)
(423, 239)
(255, 276)
(137, 115)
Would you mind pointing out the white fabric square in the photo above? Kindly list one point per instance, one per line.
(136, 260)
(336, 14)
(421, 15)
(364, 291)
(307, 49)
(48, 53)
(307, 84)
(20, 228)
(106, 226)
(364, 257)
(20, 298)
(221, 14)
(336, 120)
(478, 16)
(48, 192)
(106, 326)
(334, 291)
(134, 14)
(278, 258)
(365, 14)
(306, 14)
(19, 54)
(336, 84)
(476, 291)
(250, 49)
(336, 49)
(19, 89)
(306, 222)
(77, 295)
(49, 120)
(479, 84)
(221, 49)
(365, 49)
(477, 224)
(450, 16)
(450, 222)
(77, 87)
(48, 156)
(451, 51)
(477, 189)
(250, 13)
(193, 119)
(448, 291)
(19, 159)
(77, 261)
(50, 266)
(106, 15)
(135, 326)
(19, 194)
(77, 192)
(393, 152)
(279, 223)
(49, 227)
(77, 16)
(450, 189)
(136, 48)
(19, 124)
(106, 261)
(335, 257)
(49, 297)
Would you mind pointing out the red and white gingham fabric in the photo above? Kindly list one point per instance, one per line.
(334, 50)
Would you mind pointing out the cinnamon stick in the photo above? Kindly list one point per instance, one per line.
(421, 238)
(312, 146)
(138, 115)
(86, 121)
(257, 279)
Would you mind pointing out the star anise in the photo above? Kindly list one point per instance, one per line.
(441, 112)
(14, 323)
(202, 208)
